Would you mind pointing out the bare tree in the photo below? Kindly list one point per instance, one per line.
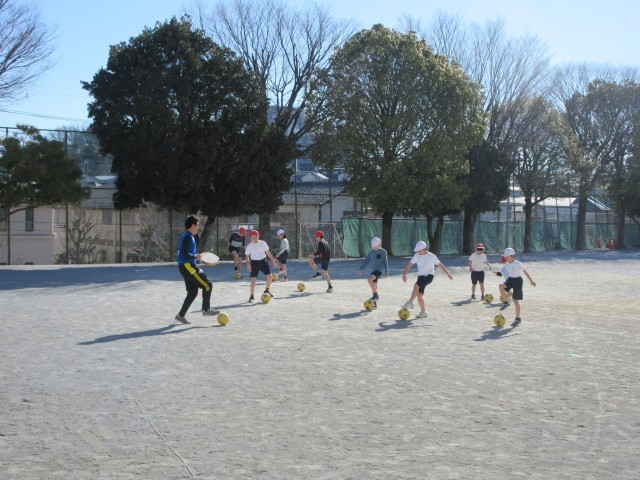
(285, 48)
(600, 104)
(26, 45)
(541, 168)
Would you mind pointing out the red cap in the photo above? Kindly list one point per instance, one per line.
(254, 232)
(242, 230)
(320, 233)
(480, 245)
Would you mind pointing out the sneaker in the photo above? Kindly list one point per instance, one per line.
(284, 279)
(182, 319)
(211, 311)
(408, 304)
(330, 289)
(317, 275)
(251, 298)
(270, 294)
(516, 322)
(482, 297)
(374, 297)
(504, 305)
(422, 315)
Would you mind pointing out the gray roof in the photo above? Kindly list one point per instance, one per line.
(312, 193)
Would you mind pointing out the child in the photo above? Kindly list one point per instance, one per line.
(256, 254)
(321, 256)
(194, 277)
(426, 262)
(377, 257)
(512, 270)
(283, 253)
(235, 245)
(477, 261)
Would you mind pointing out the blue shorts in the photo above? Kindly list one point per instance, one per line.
(423, 281)
(477, 277)
(515, 283)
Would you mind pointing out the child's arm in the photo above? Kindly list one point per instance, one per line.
(444, 269)
(273, 260)
(529, 277)
(406, 270)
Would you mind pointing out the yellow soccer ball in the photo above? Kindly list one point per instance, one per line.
(404, 314)
(237, 275)
(499, 320)
(301, 287)
(274, 277)
(223, 318)
(266, 298)
(488, 298)
(369, 305)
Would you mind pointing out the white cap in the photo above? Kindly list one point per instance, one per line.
(375, 241)
(420, 246)
(279, 232)
(508, 252)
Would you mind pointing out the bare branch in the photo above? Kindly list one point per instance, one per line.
(25, 48)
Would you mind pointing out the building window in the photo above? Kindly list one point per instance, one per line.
(107, 217)
(28, 220)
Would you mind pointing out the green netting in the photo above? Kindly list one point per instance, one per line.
(495, 236)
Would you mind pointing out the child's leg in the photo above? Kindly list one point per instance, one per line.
(517, 304)
(326, 275)
(253, 285)
(481, 289)
(421, 301)
(373, 284)
(414, 292)
(269, 280)
(312, 264)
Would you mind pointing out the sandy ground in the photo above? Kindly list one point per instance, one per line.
(98, 381)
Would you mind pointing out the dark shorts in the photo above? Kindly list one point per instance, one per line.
(282, 258)
(376, 274)
(323, 264)
(258, 266)
(423, 281)
(236, 249)
(515, 283)
(477, 277)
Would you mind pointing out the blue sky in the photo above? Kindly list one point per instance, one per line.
(575, 31)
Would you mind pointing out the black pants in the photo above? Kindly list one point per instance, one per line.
(195, 279)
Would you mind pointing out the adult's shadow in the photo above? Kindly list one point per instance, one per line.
(398, 325)
(495, 333)
(344, 316)
(145, 333)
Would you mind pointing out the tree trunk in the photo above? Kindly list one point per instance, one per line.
(265, 227)
(387, 223)
(528, 213)
(581, 225)
(205, 233)
(468, 228)
(621, 216)
(436, 242)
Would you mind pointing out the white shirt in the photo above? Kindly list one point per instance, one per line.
(477, 261)
(512, 270)
(426, 263)
(257, 251)
(284, 246)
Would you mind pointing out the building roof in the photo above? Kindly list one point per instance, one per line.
(311, 193)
